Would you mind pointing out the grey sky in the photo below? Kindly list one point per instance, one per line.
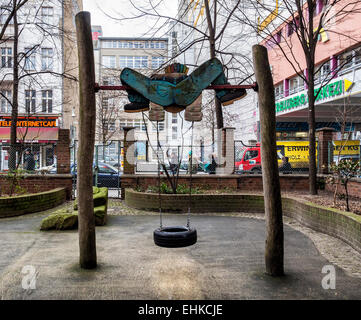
(116, 8)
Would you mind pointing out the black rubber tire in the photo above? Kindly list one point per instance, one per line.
(175, 237)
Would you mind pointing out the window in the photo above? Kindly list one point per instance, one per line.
(30, 101)
(136, 62)
(250, 154)
(323, 72)
(111, 127)
(106, 44)
(296, 84)
(4, 14)
(346, 60)
(47, 14)
(279, 94)
(108, 81)
(157, 62)
(174, 118)
(46, 59)
(29, 59)
(108, 61)
(105, 102)
(5, 101)
(160, 126)
(6, 57)
(174, 133)
(47, 101)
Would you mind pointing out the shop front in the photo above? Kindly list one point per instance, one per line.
(37, 133)
(337, 106)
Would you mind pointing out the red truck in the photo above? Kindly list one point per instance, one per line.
(248, 159)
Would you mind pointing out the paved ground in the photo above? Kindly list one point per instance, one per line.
(226, 263)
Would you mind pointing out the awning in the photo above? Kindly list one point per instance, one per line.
(30, 135)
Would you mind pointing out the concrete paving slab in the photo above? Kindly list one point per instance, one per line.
(226, 263)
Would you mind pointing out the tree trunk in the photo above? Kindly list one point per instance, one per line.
(274, 251)
(312, 139)
(87, 113)
(15, 103)
(212, 51)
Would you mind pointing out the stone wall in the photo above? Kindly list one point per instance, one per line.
(19, 205)
(34, 183)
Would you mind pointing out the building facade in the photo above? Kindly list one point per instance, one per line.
(337, 74)
(47, 76)
(112, 54)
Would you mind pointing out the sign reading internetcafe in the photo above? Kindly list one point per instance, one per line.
(30, 122)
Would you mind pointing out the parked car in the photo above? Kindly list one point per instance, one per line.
(47, 170)
(354, 158)
(108, 176)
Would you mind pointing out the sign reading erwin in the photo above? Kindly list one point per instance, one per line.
(30, 122)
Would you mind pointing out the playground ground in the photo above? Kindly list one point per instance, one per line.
(226, 263)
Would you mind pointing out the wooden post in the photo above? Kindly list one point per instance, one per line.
(87, 242)
(271, 184)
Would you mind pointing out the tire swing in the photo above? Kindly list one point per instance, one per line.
(177, 236)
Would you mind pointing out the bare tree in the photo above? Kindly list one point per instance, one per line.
(302, 19)
(18, 17)
(209, 30)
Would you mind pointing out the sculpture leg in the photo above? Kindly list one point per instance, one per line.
(188, 90)
(227, 96)
(157, 91)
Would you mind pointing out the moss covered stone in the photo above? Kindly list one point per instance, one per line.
(67, 219)
(60, 221)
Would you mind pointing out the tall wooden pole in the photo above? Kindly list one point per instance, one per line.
(87, 242)
(271, 183)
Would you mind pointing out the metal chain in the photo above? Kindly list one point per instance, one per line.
(190, 182)
(159, 196)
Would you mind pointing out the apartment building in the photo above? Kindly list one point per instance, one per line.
(236, 41)
(112, 54)
(337, 73)
(47, 73)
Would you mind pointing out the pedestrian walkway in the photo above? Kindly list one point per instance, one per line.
(226, 263)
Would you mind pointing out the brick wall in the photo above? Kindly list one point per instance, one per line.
(343, 225)
(239, 182)
(62, 151)
(40, 183)
(16, 206)
(199, 203)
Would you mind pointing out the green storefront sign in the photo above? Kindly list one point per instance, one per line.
(331, 90)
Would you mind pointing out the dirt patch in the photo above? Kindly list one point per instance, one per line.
(325, 199)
